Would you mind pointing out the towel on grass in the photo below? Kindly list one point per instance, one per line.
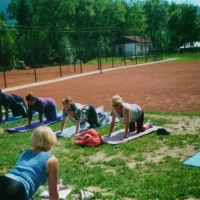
(34, 124)
(90, 138)
(193, 161)
(117, 136)
(104, 119)
(62, 193)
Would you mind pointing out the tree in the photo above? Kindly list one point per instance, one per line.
(135, 18)
(156, 15)
(21, 11)
(183, 24)
(8, 50)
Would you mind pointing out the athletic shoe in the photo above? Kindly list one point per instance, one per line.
(88, 195)
(82, 196)
(102, 109)
(85, 195)
(150, 123)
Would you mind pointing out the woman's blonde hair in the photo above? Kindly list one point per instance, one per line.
(43, 137)
(67, 100)
(116, 99)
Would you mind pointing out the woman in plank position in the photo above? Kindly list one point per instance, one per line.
(33, 168)
(13, 102)
(78, 113)
(131, 114)
(46, 106)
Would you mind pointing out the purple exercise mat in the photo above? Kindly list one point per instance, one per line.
(33, 125)
(117, 136)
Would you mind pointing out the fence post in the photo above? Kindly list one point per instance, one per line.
(2, 62)
(125, 58)
(113, 53)
(99, 56)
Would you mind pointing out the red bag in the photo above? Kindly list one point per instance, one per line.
(90, 138)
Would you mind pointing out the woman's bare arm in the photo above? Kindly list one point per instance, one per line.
(52, 169)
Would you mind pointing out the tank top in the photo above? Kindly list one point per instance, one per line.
(135, 112)
(30, 170)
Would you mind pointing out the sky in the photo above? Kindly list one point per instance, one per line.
(4, 3)
(194, 2)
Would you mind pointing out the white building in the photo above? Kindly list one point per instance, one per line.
(132, 46)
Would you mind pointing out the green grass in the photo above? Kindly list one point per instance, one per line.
(185, 57)
(138, 169)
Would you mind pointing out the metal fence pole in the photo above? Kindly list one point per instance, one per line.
(2, 63)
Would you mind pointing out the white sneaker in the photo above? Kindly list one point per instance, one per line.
(82, 196)
(88, 195)
(102, 108)
(150, 123)
(85, 195)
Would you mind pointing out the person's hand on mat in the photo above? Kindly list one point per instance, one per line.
(29, 123)
(125, 137)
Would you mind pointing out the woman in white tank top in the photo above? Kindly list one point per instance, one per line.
(131, 115)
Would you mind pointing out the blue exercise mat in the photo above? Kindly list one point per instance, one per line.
(193, 161)
(68, 132)
(34, 125)
(11, 118)
(104, 119)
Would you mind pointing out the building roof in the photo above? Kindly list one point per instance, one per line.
(132, 39)
(137, 39)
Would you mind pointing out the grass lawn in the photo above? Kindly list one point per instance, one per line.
(150, 167)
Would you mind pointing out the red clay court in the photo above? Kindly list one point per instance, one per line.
(162, 86)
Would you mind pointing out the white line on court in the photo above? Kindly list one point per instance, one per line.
(79, 75)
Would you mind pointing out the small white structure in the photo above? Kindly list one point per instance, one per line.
(132, 46)
(190, 45)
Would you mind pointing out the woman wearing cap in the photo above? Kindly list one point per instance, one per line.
(46, 106)
(78, 113)
(131, 114)
(34, 168)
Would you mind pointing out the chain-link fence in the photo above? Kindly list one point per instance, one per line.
(35, 54)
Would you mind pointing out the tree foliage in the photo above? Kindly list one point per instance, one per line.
(52, 31)
(183, 24)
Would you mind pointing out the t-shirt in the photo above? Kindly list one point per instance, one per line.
(135, 112)
(41, 105)
(77, 112)
(30, 170)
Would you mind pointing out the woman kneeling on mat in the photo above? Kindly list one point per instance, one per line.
(78, 113)
(46, 106)
(15, 103)
(33, 168)
(131, 114)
